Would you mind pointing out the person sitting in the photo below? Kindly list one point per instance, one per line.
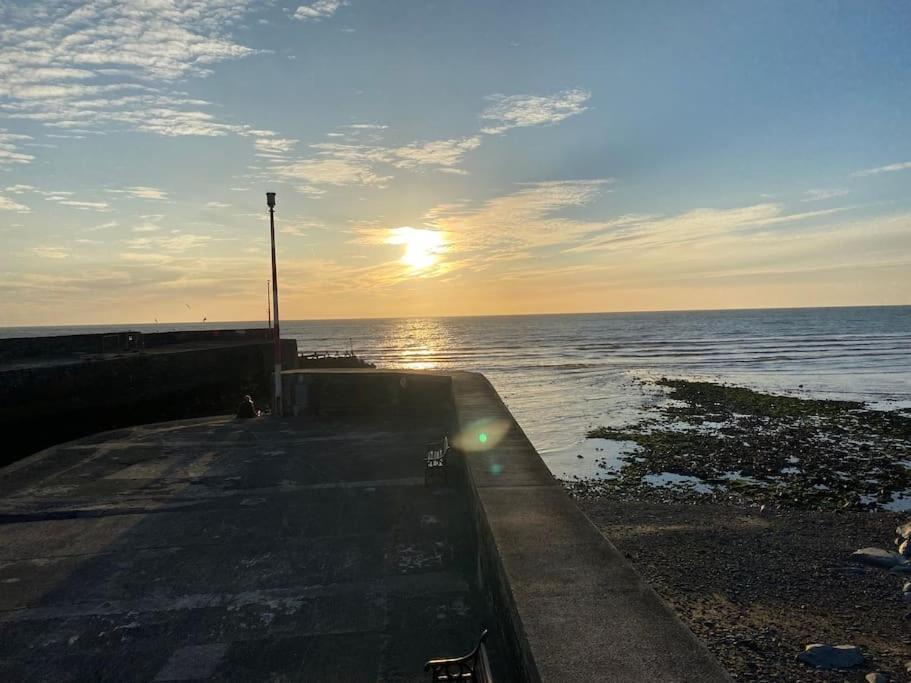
(246, 409)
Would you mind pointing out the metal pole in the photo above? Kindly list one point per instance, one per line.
(268, 307)
(277, 404)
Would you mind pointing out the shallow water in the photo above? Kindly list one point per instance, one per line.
(562, 374)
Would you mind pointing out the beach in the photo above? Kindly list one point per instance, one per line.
(743, 510)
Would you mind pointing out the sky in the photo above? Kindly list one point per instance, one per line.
(450, 157)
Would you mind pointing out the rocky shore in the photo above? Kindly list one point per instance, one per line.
(745, 511)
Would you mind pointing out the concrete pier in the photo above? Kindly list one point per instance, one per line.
(308, 547)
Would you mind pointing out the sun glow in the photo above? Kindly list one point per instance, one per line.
(422, 247)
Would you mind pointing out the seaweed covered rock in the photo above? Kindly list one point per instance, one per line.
(822, 656)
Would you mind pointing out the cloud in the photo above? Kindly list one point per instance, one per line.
(106, 62)
(20, 189)
(142, 192)
(300, 227)
(444, 153)
(217, 205)
(7, 204)
(176, 243)
(319, 10)
(821, 195)
(9, 149)
(65, 198)
(273, 146)
(50, 252)
(332, 170)
(526, 219)
(359, 158)
(518, 111)
(891, 168)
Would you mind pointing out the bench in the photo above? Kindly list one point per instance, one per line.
(474, 667)
(435, 459)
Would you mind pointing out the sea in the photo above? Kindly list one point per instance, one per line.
(562, 375)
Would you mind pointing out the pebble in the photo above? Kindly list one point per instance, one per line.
(878, 557)
(876, 677)
(823, 656)
(904, 531)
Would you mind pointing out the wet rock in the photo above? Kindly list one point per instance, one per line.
(822, 656)
(876, 677)
(877, 557)
(904, 531)
(905, 549)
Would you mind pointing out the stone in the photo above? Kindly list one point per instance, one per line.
(907, 587)
(904, 531)
(905, 549)
(876, 677)
(878, 557)
(822, 656)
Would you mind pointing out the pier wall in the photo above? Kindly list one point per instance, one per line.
(47, 400)
(570, 607)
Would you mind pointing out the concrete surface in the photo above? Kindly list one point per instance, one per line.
(570, 608)
(235, 550)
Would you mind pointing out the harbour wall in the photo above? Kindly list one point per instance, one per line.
(58, 389)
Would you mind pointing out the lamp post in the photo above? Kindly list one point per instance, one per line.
(276, 334)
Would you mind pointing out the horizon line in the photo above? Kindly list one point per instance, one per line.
(480, 315)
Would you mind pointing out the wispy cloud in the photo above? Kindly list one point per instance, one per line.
(82, 66)
(359, 156)
(891, 168)
(518, 111)
(7, 204)
(57, 253)
(822, 195)
(65, 198)
(319, 10)
(141, 192)
(9, 149)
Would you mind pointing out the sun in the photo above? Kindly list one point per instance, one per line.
(422, 247)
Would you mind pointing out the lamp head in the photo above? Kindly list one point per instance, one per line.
(270, 200)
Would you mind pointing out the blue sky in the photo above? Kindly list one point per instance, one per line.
(436, 158)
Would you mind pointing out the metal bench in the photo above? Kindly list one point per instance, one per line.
(435, 459)
(474, 666)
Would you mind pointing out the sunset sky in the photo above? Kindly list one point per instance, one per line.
(450, 157)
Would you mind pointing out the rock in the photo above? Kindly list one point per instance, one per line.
(831, 656)
(878, 557)
(876, 677)
(905, 549)
(904, 531)
(906, 597)
(907, 587)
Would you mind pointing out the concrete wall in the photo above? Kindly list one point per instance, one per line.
(16, 348)
(47, 403)
(570, 607)
(322, 393)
